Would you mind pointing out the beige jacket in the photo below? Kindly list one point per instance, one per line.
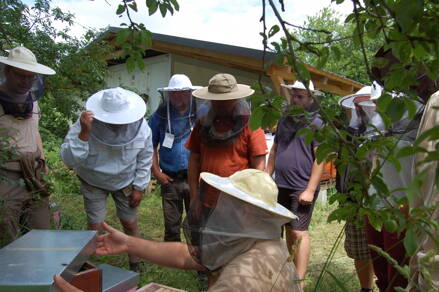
(428, 196)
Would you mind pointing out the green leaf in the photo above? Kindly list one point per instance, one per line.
(170, 9)
(408, 151)
(273, 30)
(256, 118)
(302, 71)
(140, 63)
(411, 107)
(379, 185)
(323, 150)
(323, 59)
(375, 221)
(122, 36)
(131, 63)
(152, 6)
(146, 38)
(120, 9)
(336, 52)
(270, 118)
(431, 134)
(175, 3)
(396, 109)
(309, 135)
(350, 18)
(163, 9)
(133, 5)
(410, 242)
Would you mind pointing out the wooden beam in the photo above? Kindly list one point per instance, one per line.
(323, 80)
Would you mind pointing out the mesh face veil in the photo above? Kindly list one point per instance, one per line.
(218, 233)
(115, 135)
(19, 91)
(178, 111)
(224, 121)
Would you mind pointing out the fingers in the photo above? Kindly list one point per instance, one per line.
(108, 228)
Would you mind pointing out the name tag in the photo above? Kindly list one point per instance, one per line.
(168, 141)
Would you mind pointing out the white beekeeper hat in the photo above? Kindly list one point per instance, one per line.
(178, 82)
(116, 106)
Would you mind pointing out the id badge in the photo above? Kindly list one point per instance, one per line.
(168, 141)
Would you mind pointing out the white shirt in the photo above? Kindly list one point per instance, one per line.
(110, 167)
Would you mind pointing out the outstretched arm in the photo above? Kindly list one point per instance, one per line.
(168, 254)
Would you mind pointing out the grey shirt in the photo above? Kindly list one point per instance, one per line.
(294, 158)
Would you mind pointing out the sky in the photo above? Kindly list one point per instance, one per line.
(233, 22)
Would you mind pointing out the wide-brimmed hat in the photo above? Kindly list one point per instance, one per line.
(223, 86)
(179, 82)
(116, 106)
(23, 58)
(301, 86)
(253, 186)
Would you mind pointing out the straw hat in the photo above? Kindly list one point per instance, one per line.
(23, 58)
(179, 82)
(223, 86)
(253, 186)
(116, 106)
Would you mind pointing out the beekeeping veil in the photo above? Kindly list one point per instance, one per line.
(178, 105)
(360, 112)
(245, 211)
(118, 115)
(21, 82)
(296, 117)
(226, 111)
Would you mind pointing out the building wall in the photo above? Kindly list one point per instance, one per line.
(201, 71)
(159, 69)
(155, 75)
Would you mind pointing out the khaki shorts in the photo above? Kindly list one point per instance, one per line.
(95, 203)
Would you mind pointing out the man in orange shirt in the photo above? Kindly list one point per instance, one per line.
(222, 143)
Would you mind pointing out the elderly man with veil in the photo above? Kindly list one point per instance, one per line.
(171, 125)
(110, 149)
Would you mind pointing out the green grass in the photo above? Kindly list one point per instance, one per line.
(323, 238)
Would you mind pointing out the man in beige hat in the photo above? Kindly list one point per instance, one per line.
(222, 141)
(22, 206)
(238, 241)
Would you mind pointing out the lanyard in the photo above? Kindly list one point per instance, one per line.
(168, 116)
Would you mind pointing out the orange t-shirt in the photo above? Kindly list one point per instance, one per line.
(226, 160)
